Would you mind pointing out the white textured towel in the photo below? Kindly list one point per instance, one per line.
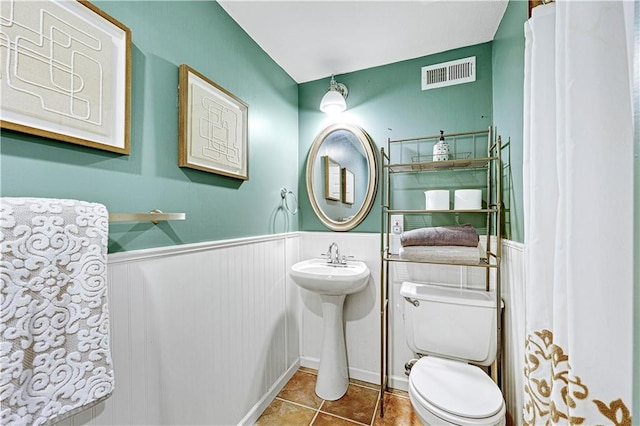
(442, 254)
(55, 357)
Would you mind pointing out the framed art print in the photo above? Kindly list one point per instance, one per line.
(331, 179)
(66, 73)
(348, 186)
(212, 127)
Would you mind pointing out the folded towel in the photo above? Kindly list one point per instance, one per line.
(55, 357)
(442, 254)
(459, 235)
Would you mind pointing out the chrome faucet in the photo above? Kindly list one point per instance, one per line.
(333, 257)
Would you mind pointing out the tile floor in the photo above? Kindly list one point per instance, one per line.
(298, 404)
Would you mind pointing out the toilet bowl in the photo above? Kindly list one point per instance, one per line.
(447, 392)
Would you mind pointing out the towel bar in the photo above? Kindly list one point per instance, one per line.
(153, 216)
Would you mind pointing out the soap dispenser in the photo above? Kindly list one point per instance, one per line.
(441, 149)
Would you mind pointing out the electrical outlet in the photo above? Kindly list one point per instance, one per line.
(397, 224)
(397, 227)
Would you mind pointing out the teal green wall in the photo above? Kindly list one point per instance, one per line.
(508, 102)
(165, 35)
(388, 102)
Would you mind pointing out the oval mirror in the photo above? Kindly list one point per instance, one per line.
(342, 176)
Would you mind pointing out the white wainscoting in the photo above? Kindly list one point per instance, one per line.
(209, 333)
(201, 333)
(513, 286)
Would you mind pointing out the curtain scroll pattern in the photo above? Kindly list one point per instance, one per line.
(541, 356)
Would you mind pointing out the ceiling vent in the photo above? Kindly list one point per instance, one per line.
(449, 73)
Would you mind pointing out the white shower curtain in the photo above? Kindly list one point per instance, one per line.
(578, 194)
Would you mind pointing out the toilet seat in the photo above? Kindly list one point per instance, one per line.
(455, 391)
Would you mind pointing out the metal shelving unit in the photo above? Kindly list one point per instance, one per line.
(405, 157)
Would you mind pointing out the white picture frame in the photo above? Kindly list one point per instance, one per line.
(66, 73)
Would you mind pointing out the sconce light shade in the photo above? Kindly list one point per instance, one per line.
(335, 99)
(333, 102)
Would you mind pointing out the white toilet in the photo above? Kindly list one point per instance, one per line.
(452, 328)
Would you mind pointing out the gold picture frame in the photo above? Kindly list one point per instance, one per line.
(213, 127)
(66, 73)
(332, 178)
(348, 186)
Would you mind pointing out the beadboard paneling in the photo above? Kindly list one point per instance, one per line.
(513, 287)
(201, 334)
(209, 333)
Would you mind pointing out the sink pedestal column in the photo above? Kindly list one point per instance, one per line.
(333, 376)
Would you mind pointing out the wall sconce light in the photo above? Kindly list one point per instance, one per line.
(335, 99)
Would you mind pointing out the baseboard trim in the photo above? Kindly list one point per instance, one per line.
(309, 362)
(372, 377)
(256, 411)
(365, 376)
(399, 383)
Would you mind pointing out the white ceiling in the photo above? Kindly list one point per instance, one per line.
(313, 39)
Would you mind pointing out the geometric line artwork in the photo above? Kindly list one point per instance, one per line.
(212, 127)
(217, 126)
(65, 72)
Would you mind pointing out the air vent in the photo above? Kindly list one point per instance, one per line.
(449, 73)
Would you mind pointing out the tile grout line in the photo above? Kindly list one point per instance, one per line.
(365, 387)
(317, 412)
(320, 410)
(361, 385)
(399, 395)
(375, 410)
(315, 416)
(346, 418)
(296, 403)
(343, 418)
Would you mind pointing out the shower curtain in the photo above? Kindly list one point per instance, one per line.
(578, 194)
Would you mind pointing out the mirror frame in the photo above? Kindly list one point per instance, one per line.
(372, 187)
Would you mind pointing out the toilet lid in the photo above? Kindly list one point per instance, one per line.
(461, 389)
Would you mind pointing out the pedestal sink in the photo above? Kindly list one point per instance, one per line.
(333, 282)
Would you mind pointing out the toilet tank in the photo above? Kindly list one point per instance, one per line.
(450, 322)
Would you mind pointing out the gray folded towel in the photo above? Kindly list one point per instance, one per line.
(459, 235)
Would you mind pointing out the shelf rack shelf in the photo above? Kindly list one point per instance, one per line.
(418, 163)
(154, 216)
(435, 166)
(484, 263)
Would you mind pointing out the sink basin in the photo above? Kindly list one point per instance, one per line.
(320, 277)
(332, 283)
